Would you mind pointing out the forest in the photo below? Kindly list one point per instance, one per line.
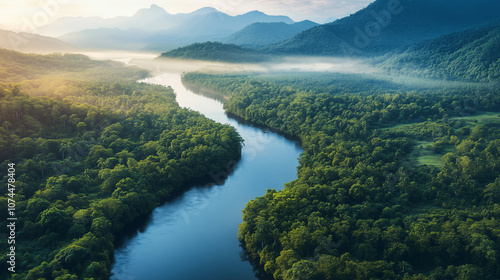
(91, 157)
(386, 25)
(392, 184)
(216, 51)
(470, 55)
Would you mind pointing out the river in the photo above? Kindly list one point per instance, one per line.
(193, 237)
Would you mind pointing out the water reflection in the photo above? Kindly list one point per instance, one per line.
(257, 269)
(194, 235)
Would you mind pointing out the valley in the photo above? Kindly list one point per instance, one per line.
(227, 142)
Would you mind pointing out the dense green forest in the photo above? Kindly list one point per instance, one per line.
(470, 55)
(395, 185)
(216, 51)
(91, 157)
(56, 66)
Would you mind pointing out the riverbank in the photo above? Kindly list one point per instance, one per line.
(199, 228)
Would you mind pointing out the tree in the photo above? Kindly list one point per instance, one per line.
(43, 271)
(26, 147)
(81, 127)
(97, 271)
(97, 152)
(7, 125)
(285, 261)
(56, 220)
(36, 206)
(72, 257)
(101, 226)
(478, 131)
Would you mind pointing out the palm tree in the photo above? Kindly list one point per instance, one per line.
(7, 125)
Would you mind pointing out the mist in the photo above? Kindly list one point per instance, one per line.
(279, 65)
(319, 64)
(292, 64)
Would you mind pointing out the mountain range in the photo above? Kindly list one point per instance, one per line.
(153, 18)
(421, 37)
(389, 24)
(441, 39)
(155, 29)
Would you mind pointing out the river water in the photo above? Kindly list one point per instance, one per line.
(193, 237)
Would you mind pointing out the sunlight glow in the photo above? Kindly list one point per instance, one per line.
(22, 15)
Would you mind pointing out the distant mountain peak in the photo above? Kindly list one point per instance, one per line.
(159, 29)
(205, 10)
(255, 12)
(153, 11)
(306, 21)
(264, 33)
(259, 16)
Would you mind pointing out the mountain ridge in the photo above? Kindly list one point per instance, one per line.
(33, 43)
(469, 55)
(67, 25)
(260, 34)
(161, 31)
(216, 51)
(385, 25)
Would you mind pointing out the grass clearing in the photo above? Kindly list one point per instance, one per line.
(423, 154)
(482, 117)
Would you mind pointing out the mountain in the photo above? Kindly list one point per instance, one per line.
(204, 11)
(153, 18)
(213, 26)
(32, 43)
(67, 25)
(470, 55)
(153, 12)
(265, 33)
(257, 16)
(216, 51)
(155, 29)
(389, 24)
(148, 19)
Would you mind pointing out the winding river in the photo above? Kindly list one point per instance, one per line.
(193, 237)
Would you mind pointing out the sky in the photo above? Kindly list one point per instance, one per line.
(17, 14)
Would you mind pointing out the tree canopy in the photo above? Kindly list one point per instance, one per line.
(91, 156)
(364, 206)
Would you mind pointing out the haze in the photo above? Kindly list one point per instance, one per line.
(283, 64)
(14, 14)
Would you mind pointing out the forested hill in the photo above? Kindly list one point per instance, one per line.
(264, 33)
(216, 51)
(388, 24)
(91, 157)
(23, 69)
(471, 55)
